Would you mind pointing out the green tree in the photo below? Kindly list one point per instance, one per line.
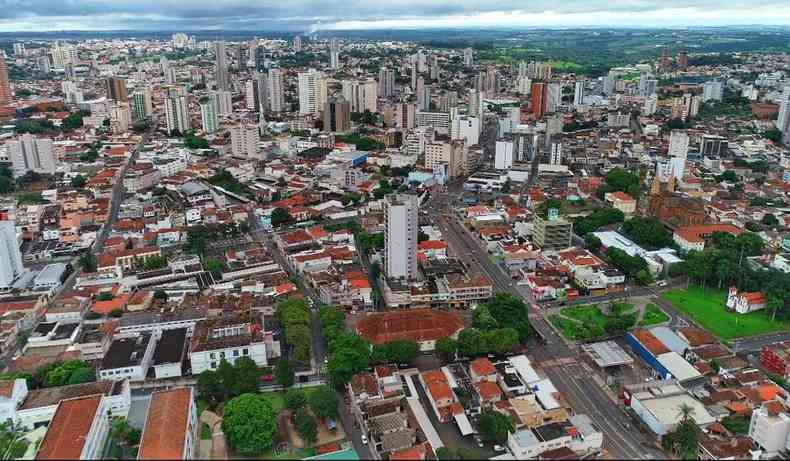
(332, 321)
(82, 375)
(511, 311)
(12, 442)
(295, 318)
(78, 182)
(471, 342)
(647, 232)
(160, 295)
(295, 399)
(399, 351)
(350, 354)
(281, 216)
(770, 220)
(306, 425)
(209, 385)
(482, 318)
(323, 402)
(495, 426)
(447, 347)
(250, 423)
(592, 242)
(88, 262)
(246, 376)
(284, 373)
(124, 434)
(62, 373)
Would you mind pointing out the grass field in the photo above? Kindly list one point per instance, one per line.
(277, 399)
(586, 322)
(708, 309)
(574, 330)
(653, 315)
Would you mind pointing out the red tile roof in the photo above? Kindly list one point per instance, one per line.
(413, 325)
(69, 428)
(167, 424)
(482, 367)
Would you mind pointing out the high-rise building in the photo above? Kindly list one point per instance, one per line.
(251, 94)
(578, 94)
(651, 105)
(553, 97)
(467, 128)
(678, 152)
(713, 146)
(423, 95)
(503, 155)
(400, 242)
(28, 153)
(208, 115)
(276, 94)
(405, 115)
(120, 117)
(647, 85)
(176, 112)
(609, 83)
(223, 101)
(555, 152)
(783, 118)
(262, 90)
(361, 94)
(43, 65)
(71, 92)
(142, 103)
(434, 67)
(712, 90)
(244, 140)
(538, 99)
(310, 91)
(19, 49)
(386, 82)
(10, 256)
(5, 86)
(683, 59)
(334, 53)
(116, 89)
(221, 66)
(337, 115)
(469, 59)
(523, 85)
(297, 44)
(664, 62)
(413, 84)
(686, 107)
(453, 154)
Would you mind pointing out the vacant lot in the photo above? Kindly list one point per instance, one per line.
(708, 309)
(653, 315)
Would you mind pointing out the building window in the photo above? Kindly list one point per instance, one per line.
(212, 365)
(235, 352)
(245, 352)
(222, 355)
(212, 356)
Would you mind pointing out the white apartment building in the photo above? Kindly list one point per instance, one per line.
(400, 246)
(29, 153)
(440, 121)
(466, 128)
(244, 140)
(770, 428)
(503, 155)
(361, 95)
(176, 113)
(10, 256)
(208, 115)
(454, 154)
(276, 95)
(312, 92)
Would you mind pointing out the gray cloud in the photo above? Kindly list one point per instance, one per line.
(298, 14)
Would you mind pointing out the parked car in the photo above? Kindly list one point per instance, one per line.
(364, 439)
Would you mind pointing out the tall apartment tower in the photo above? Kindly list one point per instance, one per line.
(337, 115)
(334, 53)
(221, 66)
(400, 245)
(176, 112)
(208, 115)
(10, 257)
(683, 59)
(276, 95)
(469, 57)
(578, 94)
(5, 86)
(386, 82)
(297, 44)
(310, 98)
(116, 89)
(29, 153)
(244, 140)
(783, 119)
(538, 99)
(142, 104)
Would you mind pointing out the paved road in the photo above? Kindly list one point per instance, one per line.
(572, 380)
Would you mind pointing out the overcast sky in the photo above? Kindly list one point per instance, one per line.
(305, 15)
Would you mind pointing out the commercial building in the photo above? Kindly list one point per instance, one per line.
(440, 121)
(116, 89)
(553, 233)
(337, 115)
(400, 245)
(452, 154)
(770, 428)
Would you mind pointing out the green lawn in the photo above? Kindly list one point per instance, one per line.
(574, 330)
(708, 309)
(277, 399)
(589, 315)
(653, 315)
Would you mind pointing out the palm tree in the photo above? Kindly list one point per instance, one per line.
(684, 412)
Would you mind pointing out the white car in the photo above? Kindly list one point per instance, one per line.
(364, 439)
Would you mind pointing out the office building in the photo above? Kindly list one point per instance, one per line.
(142, 103)
(244, 140)
(334, 53)
(176, 112)
(400, 242)
(116, 89)
(386, 82)
(10, 256)
(276, 94)
(28, 153)
(261, 88)
(208, 115)
(554, 232)
(578, 94)
(312, 92)
(503, 155)
(713, 146)
(221, 66)
(337, 115)
(712, 91)
(5, 86)
(251, 94)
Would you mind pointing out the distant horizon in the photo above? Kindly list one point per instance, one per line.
(35, 16)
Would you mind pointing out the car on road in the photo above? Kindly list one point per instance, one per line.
(499, 448)
(364, 439)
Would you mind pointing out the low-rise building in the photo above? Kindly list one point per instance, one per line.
(128, 358)
(170, 430)
(227, 338)
(78, 430)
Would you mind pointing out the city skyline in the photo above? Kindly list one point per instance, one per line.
(310, 16)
